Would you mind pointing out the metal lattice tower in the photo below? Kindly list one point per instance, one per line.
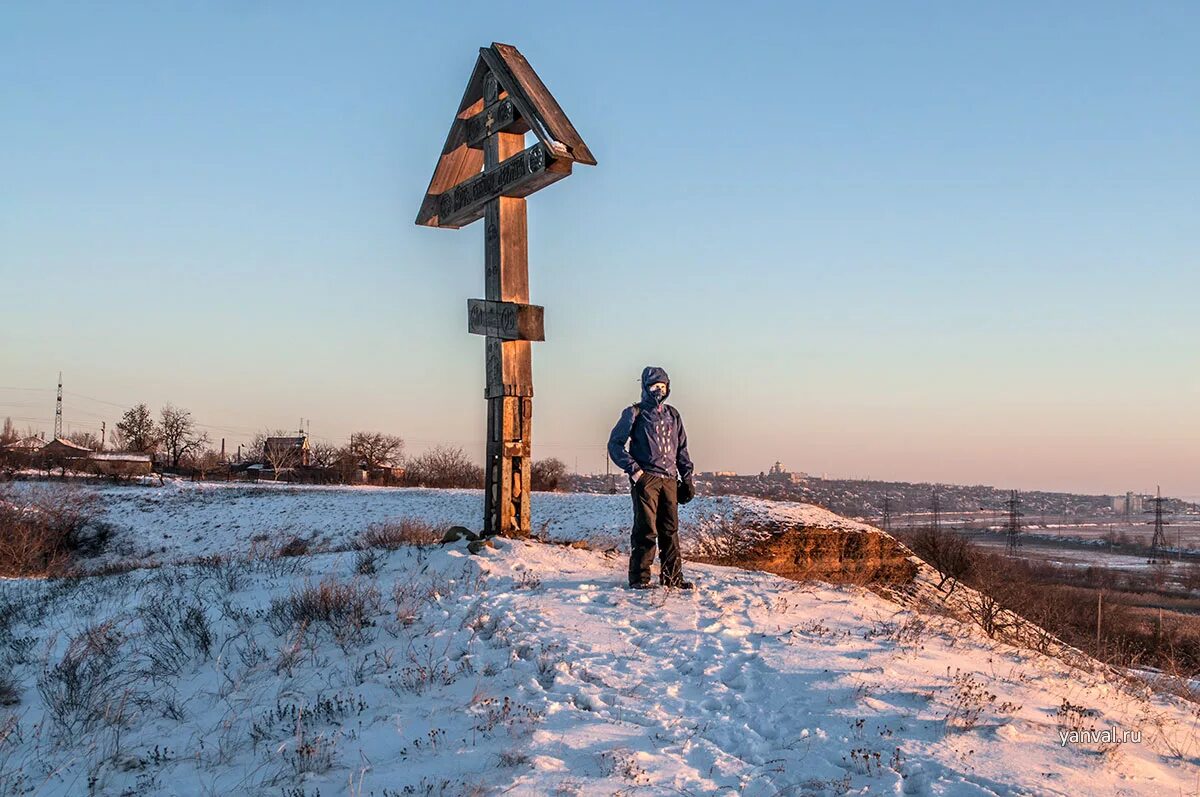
(1158, 544)
(887, 512)
(1012, 536)
(937, 512)
(58, 410)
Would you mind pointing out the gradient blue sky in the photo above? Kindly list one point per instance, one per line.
(919, 241)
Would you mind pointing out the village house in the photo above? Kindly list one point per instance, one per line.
(287, 452)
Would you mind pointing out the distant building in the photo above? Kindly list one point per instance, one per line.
(718, 474)
(60, 449)
(27, 445)
(779, 472)
(287, 452)
(120, 463)
(1128, 504)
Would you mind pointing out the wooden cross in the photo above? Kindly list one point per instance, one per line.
(486, 171)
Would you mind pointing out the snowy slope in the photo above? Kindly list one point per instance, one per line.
(186, 519)
(530, 670)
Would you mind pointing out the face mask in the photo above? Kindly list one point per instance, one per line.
(658, 390)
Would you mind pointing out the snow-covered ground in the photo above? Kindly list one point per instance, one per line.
(530, 669)
(184, 519)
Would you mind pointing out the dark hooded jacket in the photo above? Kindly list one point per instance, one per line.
(657, 440)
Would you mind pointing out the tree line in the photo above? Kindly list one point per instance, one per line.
(180, 445)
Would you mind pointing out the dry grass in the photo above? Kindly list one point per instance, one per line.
(9, 694)
(42, 530)
(345, 608)
(399, 534)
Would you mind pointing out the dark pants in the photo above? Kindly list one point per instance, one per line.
(655, 520)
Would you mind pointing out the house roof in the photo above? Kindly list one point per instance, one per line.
(32, 443)
(68, 444)
(119, 456)
(277, 442)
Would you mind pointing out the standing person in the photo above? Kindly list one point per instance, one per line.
(657, 456)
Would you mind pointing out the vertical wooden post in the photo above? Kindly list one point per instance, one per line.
(509, 390)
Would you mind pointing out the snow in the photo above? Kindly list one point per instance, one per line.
(184, 520)
(531, 670)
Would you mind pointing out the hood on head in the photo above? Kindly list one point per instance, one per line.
(650, 375)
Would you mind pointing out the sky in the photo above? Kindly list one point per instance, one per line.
(911, 241)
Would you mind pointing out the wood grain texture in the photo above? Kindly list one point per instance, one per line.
(536, 111)
(515, 177)
(506, 320)
(499, 117)
(535, 101)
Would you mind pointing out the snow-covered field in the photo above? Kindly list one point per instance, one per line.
(187, 519)
(530, 669)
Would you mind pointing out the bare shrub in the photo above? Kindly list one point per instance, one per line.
(89, 685)
(172, 636)
(10, 695)
(546, 474)
(725, 536)
(950, 554)
(410, 597)
(366, 562)
(970, 700)
(344, 608)
(444, 466)
(296, 546)
(42, 530)
(400, 533)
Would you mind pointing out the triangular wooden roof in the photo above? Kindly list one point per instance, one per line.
(534, 103)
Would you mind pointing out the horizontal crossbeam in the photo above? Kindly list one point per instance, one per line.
(518, 176)
(506, 320)
(500, 117)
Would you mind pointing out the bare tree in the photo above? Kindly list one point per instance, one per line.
(117, 440)
(279, 457)
(444, 466)
(376, 448)
(89, 440)
(324, 454)
(136, 431)
(179, 434)
(952, 555)
(200, 461)
(545, 474)
(9, 435)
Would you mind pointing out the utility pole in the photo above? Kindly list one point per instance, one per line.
(1158, 543)
(937, 512)
(1013, 535)
(103, 427)
(58, 410)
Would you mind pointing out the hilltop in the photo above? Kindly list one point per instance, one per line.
(529, 669)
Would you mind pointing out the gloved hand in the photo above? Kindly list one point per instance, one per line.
(687, 491)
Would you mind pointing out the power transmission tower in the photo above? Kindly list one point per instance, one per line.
(887, 512)
(58, 410)
(1013, 534)
(1158, 543)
